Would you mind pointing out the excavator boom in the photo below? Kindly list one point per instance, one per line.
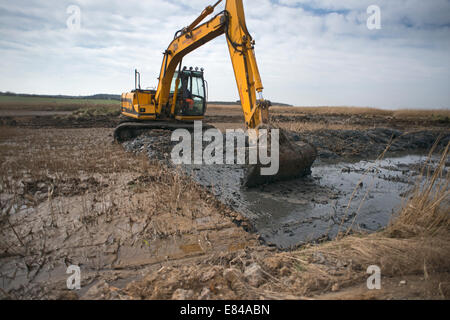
(230, 22)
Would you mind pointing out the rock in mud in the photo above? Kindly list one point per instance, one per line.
(205, 294)
(335, 287)
(254, 275)
(67, 295)
(232, 275)
(285, 271)
(97, 292)
(181, 294)
(208, 275)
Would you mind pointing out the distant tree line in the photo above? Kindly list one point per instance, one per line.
(237, 103)
(92, 97)
(115, 97)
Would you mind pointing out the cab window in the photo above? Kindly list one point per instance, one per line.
(198, 87)
(174, 81)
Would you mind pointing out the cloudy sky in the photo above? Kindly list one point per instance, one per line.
(310, 52)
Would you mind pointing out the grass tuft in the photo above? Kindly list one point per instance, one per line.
(427, 210)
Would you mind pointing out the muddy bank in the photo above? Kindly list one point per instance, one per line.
(124, 220)
(53, 119)
(342, 194)
(342, 116)
(343, 197)
(71, 197)
(332, 145)
(363, 144)
(369, 120)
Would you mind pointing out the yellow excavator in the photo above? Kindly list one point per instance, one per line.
(181, 95)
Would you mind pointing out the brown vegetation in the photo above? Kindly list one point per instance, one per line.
(85, 191)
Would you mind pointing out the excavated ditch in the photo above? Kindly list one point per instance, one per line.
(343, 193)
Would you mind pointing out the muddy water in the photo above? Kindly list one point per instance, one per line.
(337, 197)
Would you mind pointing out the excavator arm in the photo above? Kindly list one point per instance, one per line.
(230, 22)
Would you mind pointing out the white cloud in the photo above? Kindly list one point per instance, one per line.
(310, 52)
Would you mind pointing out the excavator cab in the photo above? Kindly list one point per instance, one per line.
(187, 98)
(190, 89)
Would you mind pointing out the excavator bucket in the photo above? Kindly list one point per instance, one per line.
(295, 160)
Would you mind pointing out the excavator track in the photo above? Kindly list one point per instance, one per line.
(129, 130)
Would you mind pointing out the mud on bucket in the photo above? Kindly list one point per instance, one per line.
(295, 160)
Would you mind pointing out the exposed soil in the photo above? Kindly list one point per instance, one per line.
(231, 117)
(140, 231)
(55, 119)
(368, 144)
(341, 194)
(111, 222)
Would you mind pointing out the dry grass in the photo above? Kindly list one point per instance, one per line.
(437, 113)
(402, 113)
(426, 213)
(54, 104)
(63, 158)
(345, 262)
(332, 110)
(302, 119)
(99, 110)
(60, 151)
(63, 153)
(148, 210)
(81, 108)
(59, 159)
(315, 126)
(416, 242)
